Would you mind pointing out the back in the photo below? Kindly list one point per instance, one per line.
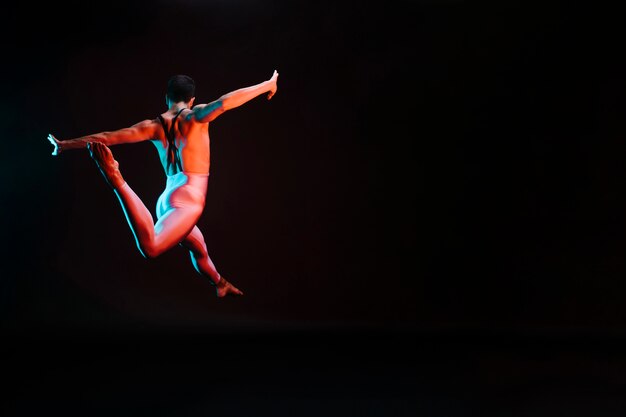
(191, 139)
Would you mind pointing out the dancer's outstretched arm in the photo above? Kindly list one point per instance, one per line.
(209, 112)
(138, 132)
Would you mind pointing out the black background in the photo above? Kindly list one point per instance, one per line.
(495, 128)
(307, 194)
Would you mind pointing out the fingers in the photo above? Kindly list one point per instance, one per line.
(54, 143)
(100, 147)
(93, 145)
(94, 148)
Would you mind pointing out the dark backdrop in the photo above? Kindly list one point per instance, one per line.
(311, 211)
(495, 127)
(311, 208)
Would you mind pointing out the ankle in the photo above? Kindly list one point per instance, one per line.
(219, 282)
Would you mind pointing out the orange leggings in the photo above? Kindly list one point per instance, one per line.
(178, 210)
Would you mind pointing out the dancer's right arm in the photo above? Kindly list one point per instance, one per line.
(139, 132)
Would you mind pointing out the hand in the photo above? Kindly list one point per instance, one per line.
(274, 85)
(56, 143)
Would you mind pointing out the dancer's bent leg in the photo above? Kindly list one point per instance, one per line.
(152, 239)
(172, 227)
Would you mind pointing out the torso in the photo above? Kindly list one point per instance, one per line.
(192, 141)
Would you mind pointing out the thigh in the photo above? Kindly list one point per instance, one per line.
(179, 197)
(174, 225)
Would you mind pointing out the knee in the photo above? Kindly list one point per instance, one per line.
(149, 251)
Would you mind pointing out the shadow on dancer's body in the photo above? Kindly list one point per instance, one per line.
(181, 136)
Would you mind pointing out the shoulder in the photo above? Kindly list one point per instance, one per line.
(189, 114)
(147, 123)
(149, 128)
(203, 113)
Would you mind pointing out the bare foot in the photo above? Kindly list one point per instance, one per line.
(108, 166)
(224, 288)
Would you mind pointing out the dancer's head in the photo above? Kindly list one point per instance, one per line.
(180, 88)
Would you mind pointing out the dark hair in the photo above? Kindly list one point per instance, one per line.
(181, 88)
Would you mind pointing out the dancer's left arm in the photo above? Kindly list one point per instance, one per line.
(205, 113)
(138, 132)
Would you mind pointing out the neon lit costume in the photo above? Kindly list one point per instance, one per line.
(184, 152)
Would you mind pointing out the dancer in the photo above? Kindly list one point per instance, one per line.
(181, 136)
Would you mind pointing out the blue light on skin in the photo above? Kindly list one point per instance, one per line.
(132, 229)
(54, 143)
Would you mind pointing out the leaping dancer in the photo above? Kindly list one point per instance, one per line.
(181, 136)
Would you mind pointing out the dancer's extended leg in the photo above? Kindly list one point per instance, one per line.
(152, 239)
(203, 264)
